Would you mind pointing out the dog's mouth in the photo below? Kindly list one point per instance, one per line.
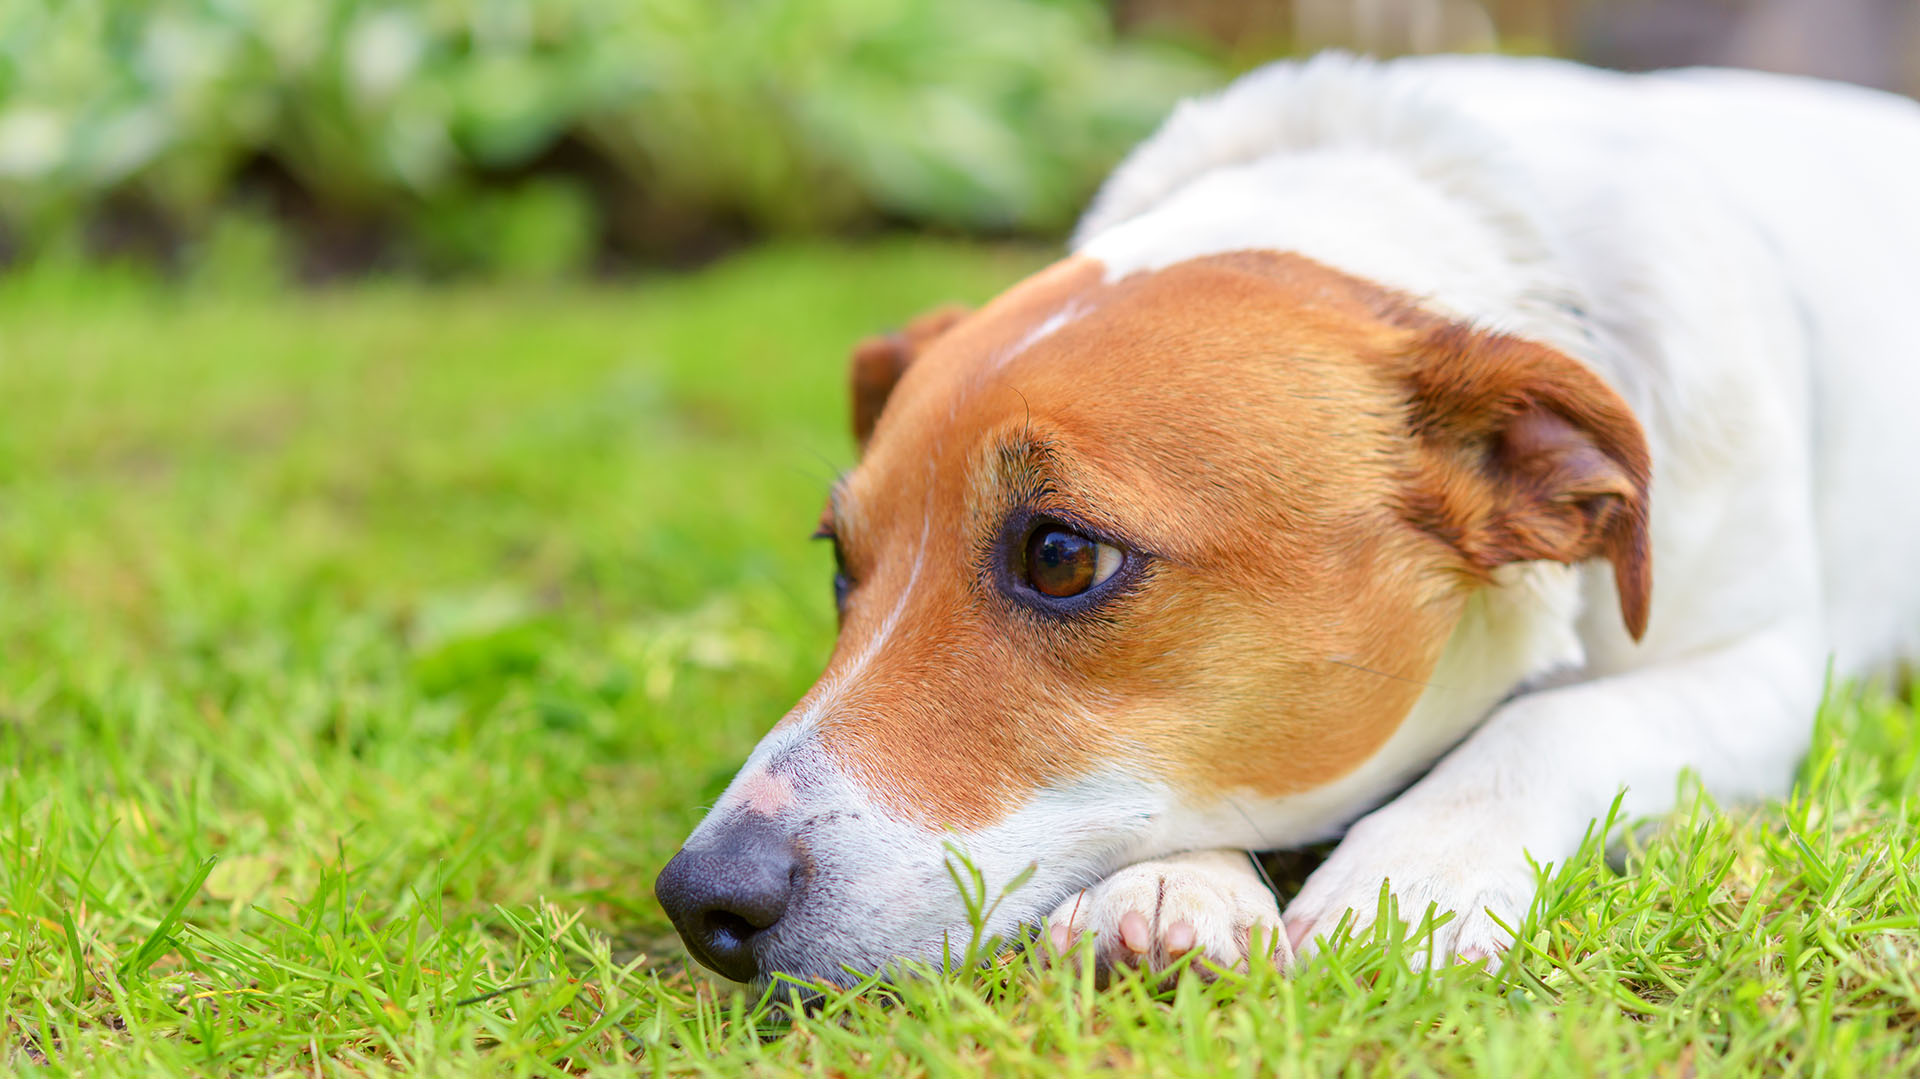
(799, 869)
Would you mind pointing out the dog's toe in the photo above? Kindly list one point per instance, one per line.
(1154, 914)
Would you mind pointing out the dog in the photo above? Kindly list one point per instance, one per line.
(1423, 453)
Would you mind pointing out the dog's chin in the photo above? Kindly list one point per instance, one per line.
(810, 961)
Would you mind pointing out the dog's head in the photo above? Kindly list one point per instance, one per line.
(1130, 567)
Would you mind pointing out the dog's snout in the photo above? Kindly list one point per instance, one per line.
(728, 890)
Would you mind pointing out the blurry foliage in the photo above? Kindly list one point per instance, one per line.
(528, 137)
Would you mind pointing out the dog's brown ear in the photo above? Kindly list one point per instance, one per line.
(1525, 454)
(879, 361)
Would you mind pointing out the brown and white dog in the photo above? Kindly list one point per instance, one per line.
(1423, 452)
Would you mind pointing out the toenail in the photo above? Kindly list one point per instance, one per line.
(1180, 939)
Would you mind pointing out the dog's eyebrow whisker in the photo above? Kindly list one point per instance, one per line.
(1337, 661)
(827, 469)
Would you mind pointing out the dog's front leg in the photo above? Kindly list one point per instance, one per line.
(1151, 914)
(1535, 775)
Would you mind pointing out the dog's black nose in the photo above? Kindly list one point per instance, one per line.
(728, 890)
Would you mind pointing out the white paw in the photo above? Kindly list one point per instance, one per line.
(1476, 876)
(1151, 914)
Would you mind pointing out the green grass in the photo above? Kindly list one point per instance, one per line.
(363, 655)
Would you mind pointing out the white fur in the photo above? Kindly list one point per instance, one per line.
(1047, 327)
(1738, 255)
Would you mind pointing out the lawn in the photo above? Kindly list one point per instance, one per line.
(365, 652)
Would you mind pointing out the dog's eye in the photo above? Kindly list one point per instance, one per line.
(1061, 562)
(842, 583)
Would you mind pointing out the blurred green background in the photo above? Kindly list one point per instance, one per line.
(532, 138)
(321, 137)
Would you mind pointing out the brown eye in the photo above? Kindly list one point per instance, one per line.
(1063, 563)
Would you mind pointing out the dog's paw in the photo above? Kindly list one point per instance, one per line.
(1482, 880)
(1152, 914)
